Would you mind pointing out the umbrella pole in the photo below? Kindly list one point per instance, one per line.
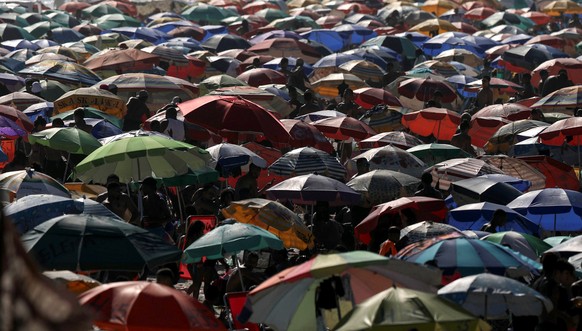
(66, 167)
(485, 317)
(179, 191)
(237, 263)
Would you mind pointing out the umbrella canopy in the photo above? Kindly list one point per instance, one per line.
(438, 122)
(379, 186)
(273, 217)
(402, 309)
(307, 160)
(447, 172)
(423, 231)
(393, 158)
(492, 296)
(473, 216)
(557, 133)
(528, 57)
(26, 182)
(20, 100)
(518, 169)
(229, 239)
(553, 209)
(396, 138)
(568, 248)
(64, 71)
(344, 128)
(434, 153)
(231, 115)
(483, 128)
(228, 156)
(308, 189)
(327, 86)
(304, 134)
(528, 245)
(138, 157)
(145, 301)
(479, 189)
(504, 138)
(565, 97)
(262, 76)
(31, 210)
(90, 113)
(94, 243)
(285, 47)
(557, 174)
(478, 256)
(71, 140)
(286, 301)
(122, 60)
(368, 97)
(75, 283)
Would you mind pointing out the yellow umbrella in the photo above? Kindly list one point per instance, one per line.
(559, 7)
(434, 25)
(364, 70)
(66, 51)
(91, 97)
(438, 7)
(460, 55)
(273, 217)
(80, 190)
(328, 85)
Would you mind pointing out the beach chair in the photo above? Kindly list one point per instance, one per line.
(234, 303)
(210, 222)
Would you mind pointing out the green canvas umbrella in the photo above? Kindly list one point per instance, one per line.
(90, 113)
(110, 21)
(92, 242)
(228, 239)
(136, 158)
(398, 309)
(71, 140)
(99, 10)
(432, 154)
(528, 245)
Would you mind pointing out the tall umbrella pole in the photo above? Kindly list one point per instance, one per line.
(66, 167)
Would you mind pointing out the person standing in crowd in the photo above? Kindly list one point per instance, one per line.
(297, 77)
(462, 139)
(485, 94)
(137, 111)
(498, 220)
(557, 82)
(427, 189)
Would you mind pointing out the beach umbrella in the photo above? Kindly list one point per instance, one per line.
(398, 308)
(493, 296)
(424, 88)
(73, 6)
(509, 19)
(327, 86)
(560, 7)
(379, 186)
(236, 115)
(556, 240)
(344, 128)
(11, 81)
(557, 174)
(438, 122)
(479, 14)
(320, 115)
(273, 217)
(304, 134)
(228, 156)
(517, 168)
(518, 183)
(68, 139)
(20, 100)
(68, 72)
(460, 55)
(396, 138)
(307, 160)
(478, 189)
(43, 109)
(138, 157)
(172, 56)
(262, 76)
(274, 34)
(434, 153)
(473, 216)
(90, 113)
(229, 239)
(562, 98)
(286, 47)
(478, 256)
(355, 34)
(401, 45)
(438, 6)
(10, 129)
(382, 118)
(425, 230)
(553, 209)
(307, 189)
(100, 128)
(447, 172)
(281, 300)
(483, 128)
(529, 57)
(567, 248)
(75, 283)
(393, 158)
(223, 42)
(259, 96)
(572, 66)
(364, 69)
(126, 8)
(368, 97)
(122, 60)
(100, 9)
(528, 245)
(144, 301)
(22, 183)
(11, 32)
(434, 25)
(218, 81)
(504, 138)
(32, 210)
(447, 41)
(96, 239)
(25, 46)
(424, 208)
(93, 97)
(442, 68)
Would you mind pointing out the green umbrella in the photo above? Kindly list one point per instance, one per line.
(136, 158)
(294, 22)
(92, 242)
(51, 90)
(554, 241)
(217, 81)
(432, 154)
(63, 19)
(228, 239)
(200, 176)
(111, 21)
(271, 14)
(71, 140)
(207, 14)
(90, 113)
(99, 10)
(14, 18)
(399, 309)
(528, 245)
(41, 28)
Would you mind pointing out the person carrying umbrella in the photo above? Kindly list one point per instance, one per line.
(137, 111)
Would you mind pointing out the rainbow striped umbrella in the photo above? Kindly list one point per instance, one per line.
(21, 183)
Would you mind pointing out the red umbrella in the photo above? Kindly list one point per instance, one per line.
(305, 134)
(528, 102)
(510, 111)
(262, 76)
(465, 27)
(553, 41)
(328, 22)
(344, 128)
(438, 122)
(122, 60)
(191, 131)
(230, 114)
(557, 174)
(368, 97)
(253, 7)
(190, 31)
(483, 128)
(17, 116)
(351, 7)
(147, 306)
(424, 88)
(572, 66)
(537, 17)
(73, 7)
(426, 209)
(567, 129)
(479, 14)
(395, 138)
(286, 47)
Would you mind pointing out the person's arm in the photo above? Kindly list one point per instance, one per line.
(132, 208)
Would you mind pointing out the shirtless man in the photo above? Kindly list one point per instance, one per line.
(485, 94)
(119, 202)
(247, 186)
(462, 139)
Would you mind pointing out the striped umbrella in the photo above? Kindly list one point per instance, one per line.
(526, 244)
(477, 256)
(567, 97)
(379, 186)
(517, 168)
(438, 122)
(273, 217)
(20, 100)
(425, 230)
(393, 158)
(396, 138)
(443, 68)
(344, 128)
(434, 153)
(482, 128)
(26, 182)
(167, 54)
(364, 69)
(308, 189)
(445, 173)
(307, 160)
(68, 72)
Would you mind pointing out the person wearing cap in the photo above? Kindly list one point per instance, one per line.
(137, 111)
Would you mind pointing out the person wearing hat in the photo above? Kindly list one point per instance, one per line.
(137, 111)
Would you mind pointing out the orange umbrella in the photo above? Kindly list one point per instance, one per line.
(572, 66)
(424, 88)
(557, 174)
(483, 128)
(566, 130)
(438, 122)
(344, 128)
(479, 13)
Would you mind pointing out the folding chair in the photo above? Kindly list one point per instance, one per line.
(234, 303)
(210, 222)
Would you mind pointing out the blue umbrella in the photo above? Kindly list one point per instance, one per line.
(517, 39)
(554, 209)
(441, 43)
(416, 37)
(32, 210)
(355, 34)
(319, 47)
(44, 43)
(12, 81)
(470, 257)
(148, 34)
(473, 216)
(275, 64)
(43, 109)
(400, 45)
(479, 189)
(460, 82)
(9, 128)
(224, 42)
(184, 42)
(169, 26)
(379, 55)
(102, 128)
(334, 60)
(65, 35)
(214, 30)
(280, 92)
(20, 55)
(274, 34)
(520, 184)
(530, 56)
(331, 39)
(15, 44)
(482, 43)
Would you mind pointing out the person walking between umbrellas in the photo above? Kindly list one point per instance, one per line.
(137, 111)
